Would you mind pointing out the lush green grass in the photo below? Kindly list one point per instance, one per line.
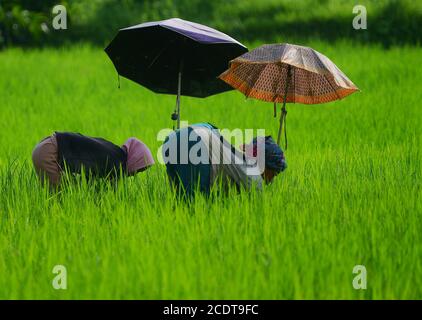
(351, 193)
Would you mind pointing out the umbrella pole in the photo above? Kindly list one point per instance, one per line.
(283, 109)
(179, 87)
(282, 116)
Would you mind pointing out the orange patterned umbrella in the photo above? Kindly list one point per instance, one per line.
(287, 73)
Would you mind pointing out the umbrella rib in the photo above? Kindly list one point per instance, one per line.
(255, 81)
(293, 83)
(326, 79)
(159, 54)
(317, 57)
(286, 80)
(276, 94)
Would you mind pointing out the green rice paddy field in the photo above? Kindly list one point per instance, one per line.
(351, 194)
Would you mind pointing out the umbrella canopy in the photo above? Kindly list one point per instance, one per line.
(288, 73)
(174, 56)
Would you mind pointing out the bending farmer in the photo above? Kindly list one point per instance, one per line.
(97, 157)
(198, 157)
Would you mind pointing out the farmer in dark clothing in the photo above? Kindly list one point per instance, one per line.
(198, 157)
(96, 157)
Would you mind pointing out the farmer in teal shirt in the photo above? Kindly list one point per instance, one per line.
(198, 157)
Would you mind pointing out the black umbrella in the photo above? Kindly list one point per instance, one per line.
(174, 56)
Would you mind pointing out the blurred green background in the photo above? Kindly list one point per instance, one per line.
(390, 22)
(351, 194)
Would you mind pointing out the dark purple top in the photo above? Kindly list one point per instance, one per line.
(195, 31)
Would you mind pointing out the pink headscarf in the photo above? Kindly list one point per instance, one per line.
(138, 155)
